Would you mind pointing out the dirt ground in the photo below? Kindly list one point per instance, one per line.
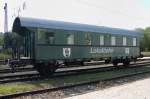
(135, 90)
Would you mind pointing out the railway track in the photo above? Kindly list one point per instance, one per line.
(31, 68)
(24, 69)
(40, 91)
(3, 62)
(63, 72)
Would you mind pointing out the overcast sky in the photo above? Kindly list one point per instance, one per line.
(128, 14)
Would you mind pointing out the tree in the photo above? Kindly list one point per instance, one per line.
(13, 41)
(145, 40)
(1, 39)
(7, 40)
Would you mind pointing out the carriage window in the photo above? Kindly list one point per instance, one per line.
(124, 41)
(101, 39)
(134, 41)
(88, 39)
(113, 40)
(49, 38)
(70, 39)
(41, 36)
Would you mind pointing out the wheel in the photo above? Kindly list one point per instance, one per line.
(82, 63)
(66, 63)
(115, 62)
(107, 61)
(46, 69)
(134, 59)
(52, 68)
(126, 62)
(39, 68)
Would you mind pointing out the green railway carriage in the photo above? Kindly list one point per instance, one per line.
(49, 43)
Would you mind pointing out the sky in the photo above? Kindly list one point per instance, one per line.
(127, 14)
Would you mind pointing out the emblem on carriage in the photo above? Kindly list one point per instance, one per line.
(66, 52)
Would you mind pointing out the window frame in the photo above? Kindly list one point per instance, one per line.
(113, 40)
(70, 39)
(134, 43)
(88, 38)
(101, 40)
(124, 41)
(47, 37)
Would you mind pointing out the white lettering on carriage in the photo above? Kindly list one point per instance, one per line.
(101, 50)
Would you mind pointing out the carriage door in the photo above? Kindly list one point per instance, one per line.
(29, 44)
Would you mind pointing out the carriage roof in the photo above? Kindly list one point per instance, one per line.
(51, 24)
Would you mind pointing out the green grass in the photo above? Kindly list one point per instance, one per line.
(54, 82)
(12, 88)
(4, 56)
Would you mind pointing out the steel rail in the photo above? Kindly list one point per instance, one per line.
(36, 76)
(40, 91)
(8, 70)
(17, 70)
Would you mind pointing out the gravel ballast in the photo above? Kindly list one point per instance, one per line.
(135, 90)
(88, 88)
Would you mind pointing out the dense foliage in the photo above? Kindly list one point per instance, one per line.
(145, 40)
(12, 40)
(1, 39)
